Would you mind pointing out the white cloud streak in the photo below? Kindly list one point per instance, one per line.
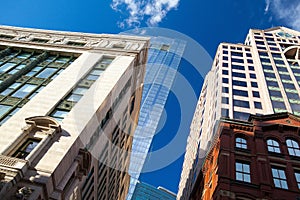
(286, 10)
(154, 11)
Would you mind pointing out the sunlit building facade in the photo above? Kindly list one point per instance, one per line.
(164, 57)
(69, 105)
(261, 76)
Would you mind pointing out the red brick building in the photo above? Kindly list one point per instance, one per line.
(259, 159)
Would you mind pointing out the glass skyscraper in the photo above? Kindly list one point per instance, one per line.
(144, 191)
(261, 76)
(164, 56)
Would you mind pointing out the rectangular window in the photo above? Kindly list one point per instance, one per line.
(240, 93)
(279, 178)
(240, 115)
(225, 72)
(24, 90)
(241, 103)
(242, 172)
(225, 80)
(239, 83)
(225, 90)
(297, 175)
(225, 100)
(251, 68)
(252, 76)
(237, 74)
(26, 148)
(225, 112)
(239, 67)
(257, 105)
(256, 94)
(254, 84)
(237, 60)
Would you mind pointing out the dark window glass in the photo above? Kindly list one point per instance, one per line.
(239, 83)
(26, 148)
(238, 67)
(237, 60)
(225, 90)
(275, 93)
(225, 64)
(251, 68)
(237, 74)
(272, 83)
(240, 115)
(241, 103)
(225, 112)
(255, 94)
(240, 93)
(254, 84)
(257, 105)
(225, 80)
(225, 100)
(225, 72)
(239, 54)
(252, 76)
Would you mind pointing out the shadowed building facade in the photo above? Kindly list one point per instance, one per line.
(261, 76)
(69, 104)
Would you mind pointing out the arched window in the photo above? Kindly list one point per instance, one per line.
(240, 143)
(273, 146)
(293, 147)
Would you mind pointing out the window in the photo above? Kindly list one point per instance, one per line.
(293, 147)
(240, 143)
(257, 105)
(225, 80)
(254, 84)
(24, 90)
(273, 146)
(225, 89)
(26, 148)
(239, 83)
(225, 100)
(241, 103)
(255, 94)
(242, 172)
(252, 76)
(239, 67)
(240, 115)
(237, 74)
(297, 175)
(240, 93)
(279, 178)
(225, 112)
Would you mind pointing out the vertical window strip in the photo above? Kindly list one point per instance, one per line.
(66, 104)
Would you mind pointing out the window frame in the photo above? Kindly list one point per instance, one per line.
(245, 174)
(272, 146)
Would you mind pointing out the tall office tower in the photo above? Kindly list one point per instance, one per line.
(69, 104)
(164, 56)
(144, 191)
(260, 77)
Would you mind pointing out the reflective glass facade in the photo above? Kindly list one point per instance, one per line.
(164, 56)
(144, 191)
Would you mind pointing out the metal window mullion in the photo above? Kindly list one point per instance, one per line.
(5, 52)
(5, 84)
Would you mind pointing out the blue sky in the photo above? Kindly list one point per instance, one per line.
(207, 22)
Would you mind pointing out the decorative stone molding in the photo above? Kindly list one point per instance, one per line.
(84, 159)
(61, 39)
(225, 193)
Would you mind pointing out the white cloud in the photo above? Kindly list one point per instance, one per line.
(286, 10)
(154, 11)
